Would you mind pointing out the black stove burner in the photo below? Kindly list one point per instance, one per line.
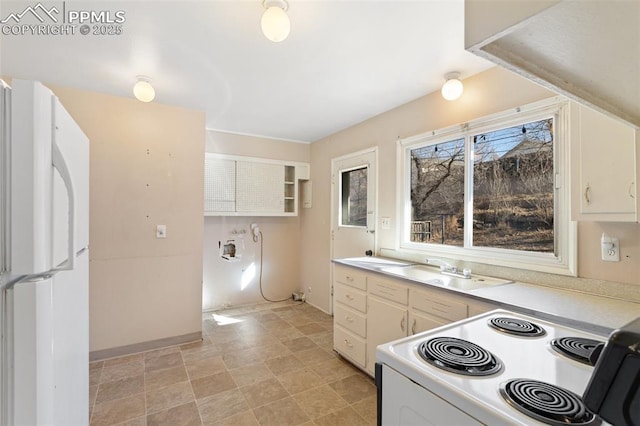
(576, 348)
(459, 356)
(517, 327)
(547, 403)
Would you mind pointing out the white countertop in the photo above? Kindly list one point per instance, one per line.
(594, 313)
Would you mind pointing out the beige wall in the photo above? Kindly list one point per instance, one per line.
(237, 283)
(490, 92)
(146, 169)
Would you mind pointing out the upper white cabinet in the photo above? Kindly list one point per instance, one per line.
(586, 50)
(604, 167)
(219, 184)
(243, 186)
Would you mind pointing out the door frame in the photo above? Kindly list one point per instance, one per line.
(334, 212)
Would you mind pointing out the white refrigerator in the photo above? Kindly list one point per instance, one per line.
(44, 260)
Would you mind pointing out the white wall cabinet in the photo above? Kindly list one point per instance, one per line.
(604, 162)
(244, 186)
(370, 310)
(219, 184)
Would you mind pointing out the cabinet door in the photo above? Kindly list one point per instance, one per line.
(419, 322)
(385, 322)
(219, 184)
(259, 187)
(606, 167)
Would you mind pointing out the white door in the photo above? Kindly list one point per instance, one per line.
(354, 180)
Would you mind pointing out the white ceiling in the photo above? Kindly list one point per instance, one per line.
(344, 61)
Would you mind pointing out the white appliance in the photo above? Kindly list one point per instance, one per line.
(44, 272)
(413, 391)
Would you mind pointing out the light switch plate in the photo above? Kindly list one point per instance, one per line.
(161, 231)
(385, 222)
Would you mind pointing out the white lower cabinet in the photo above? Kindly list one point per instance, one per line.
(353, 321)
(371, 309)
(350, 346)
(478, 308)
(419, 322)
(350, 314)
(386, 321)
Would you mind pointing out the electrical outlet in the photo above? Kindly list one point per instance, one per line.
(610, 249)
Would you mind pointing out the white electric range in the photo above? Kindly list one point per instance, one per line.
(420, 382)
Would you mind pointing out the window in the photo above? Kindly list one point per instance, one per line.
(513, 194)
(493, 191)
(353, 200)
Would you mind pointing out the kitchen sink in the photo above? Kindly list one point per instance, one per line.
(432, 276)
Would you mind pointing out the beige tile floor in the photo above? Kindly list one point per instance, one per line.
(268, 364)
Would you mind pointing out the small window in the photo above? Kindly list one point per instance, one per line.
(353, 185)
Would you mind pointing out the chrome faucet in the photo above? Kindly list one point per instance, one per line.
(449, 269)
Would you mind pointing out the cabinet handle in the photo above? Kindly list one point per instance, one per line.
(348, 343)
(349, 278)
(348, 296)
(413, 327)
(348, 318)
(631, 194)
(402, 324)
(587, 191)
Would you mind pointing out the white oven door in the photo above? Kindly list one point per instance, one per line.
(406, 403)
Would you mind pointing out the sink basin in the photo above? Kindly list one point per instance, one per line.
(432, 276)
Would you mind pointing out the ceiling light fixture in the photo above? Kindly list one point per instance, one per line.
(275, 21)
(452, 89)
(143, 90)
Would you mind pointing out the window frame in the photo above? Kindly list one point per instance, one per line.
(342, 201)
(564, 259)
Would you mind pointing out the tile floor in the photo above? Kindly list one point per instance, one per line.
(268, 364)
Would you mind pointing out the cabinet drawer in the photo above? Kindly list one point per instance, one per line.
(443, 307)
(350, 277)
(389, 291)
(350, 297)
(351, 320)
(479, 308)
(349, 345)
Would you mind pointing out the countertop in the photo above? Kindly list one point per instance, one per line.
(593, 313)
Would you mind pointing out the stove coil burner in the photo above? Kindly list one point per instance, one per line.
(459, 356)
(547, 403)
(517, 327)
(576, 348)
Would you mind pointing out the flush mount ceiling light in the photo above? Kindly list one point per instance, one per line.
(143, 90)
(275, 21)
(452, 89)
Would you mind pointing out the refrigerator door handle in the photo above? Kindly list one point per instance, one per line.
(61, 165)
